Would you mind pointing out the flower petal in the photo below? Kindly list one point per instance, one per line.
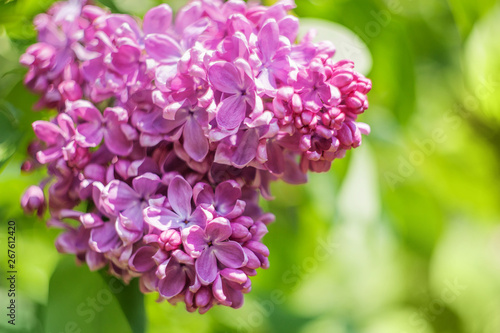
(195, 141)
(157, 19)
(231, 112)
(163, 48)
(179, 196)
(146, 184)
(174, 281)
(160, 218)
(247, 149)
(142, 260)
(219, 229)
(104, 238)
(119, 196)
(194, 241)
(230, 254)
(225, 77)
(268, 40)
(206, 266)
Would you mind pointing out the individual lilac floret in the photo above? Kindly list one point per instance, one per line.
(180, 214)
(212, 246)
(33, 200)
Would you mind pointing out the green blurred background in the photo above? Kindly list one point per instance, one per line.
(401, 236)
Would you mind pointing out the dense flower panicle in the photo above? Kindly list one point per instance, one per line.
(170, 128)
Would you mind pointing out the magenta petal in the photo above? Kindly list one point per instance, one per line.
(231, 112)
(199, 217)
(289, 27)
(195, 142)
(268, 41)
(174, 281)
(247, 149)
(142, 259)
(179, 196)
(120, 196)
(132, 217)
(203, 194)
(157, 19)
(48, 155)
(225, 77)
(160, 218)
(218, 291)
(194, 241)
(230, 254)
(89, 134)
(104, 238)
(163, 48)
(275, 158)
(146, 184)
(206, 266)
(219, 229)
(226, 194)
(47, 131)
(116, 141)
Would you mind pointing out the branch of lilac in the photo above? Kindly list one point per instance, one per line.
(170, 130)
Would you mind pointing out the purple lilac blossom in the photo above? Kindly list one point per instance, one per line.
(169, 129)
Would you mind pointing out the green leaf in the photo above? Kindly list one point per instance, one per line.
(466, 13)
(10, 134)
(131, 301)
(81, 301)
(111, 5)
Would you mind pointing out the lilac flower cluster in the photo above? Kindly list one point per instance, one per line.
(168, 130)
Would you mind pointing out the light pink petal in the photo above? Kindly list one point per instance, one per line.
(174, 281)
(157, 19)
(179, 196)
(89, 134)
(275, 158)
(226, 194)
(225, 77)
(206, 266)
(132, 217)
(160, 218)
(203, 193)
(218, 291)
(199, 217)
(146, 184)
(219, 229)
(47, 132)
(194, 241)
(230, 254)
(247, 149)
(289, 27)
(142, 260)
(49, 155)
(195, 141)
(231, 112)
(104, 238)
(116, 141)
(120, 196)
(163, 48)
(268, 40)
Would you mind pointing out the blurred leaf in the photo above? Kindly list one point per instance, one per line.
(467, 12)
(80, 299)
(348, 45)
(482, 68)
(111, 5)
(416, 216)
(10, 133)
(131, 300)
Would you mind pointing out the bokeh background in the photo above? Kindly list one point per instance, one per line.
(401, 236)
